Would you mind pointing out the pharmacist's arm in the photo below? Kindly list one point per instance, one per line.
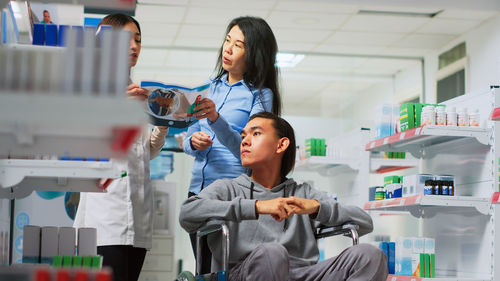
(157, 140)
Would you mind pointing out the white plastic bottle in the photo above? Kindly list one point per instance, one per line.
(463, 117)
(440, 116)
(474, 118)
(428, 116)
(451, 116)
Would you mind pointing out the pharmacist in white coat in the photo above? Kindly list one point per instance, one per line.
(123, 216)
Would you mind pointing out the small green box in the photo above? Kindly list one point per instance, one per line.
(432, 263)
(391, 179)
(77, 261)
(422, 266)
(67, 261)
(407, 116)
(57, 261)
(96, 262)
(87, 262)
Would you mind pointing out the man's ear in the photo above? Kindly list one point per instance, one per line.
(283, 145)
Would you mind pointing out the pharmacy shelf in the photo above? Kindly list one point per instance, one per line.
(382, 165)
(415, 203)
(57, 124)
(321, 163)
(414, 140)
(412, 278)
(18, 177)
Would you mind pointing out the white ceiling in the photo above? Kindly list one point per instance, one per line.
(346, 51)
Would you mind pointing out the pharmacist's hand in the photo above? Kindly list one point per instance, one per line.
(134, 91)
(279, 208)
(206, 110)
(201, 140)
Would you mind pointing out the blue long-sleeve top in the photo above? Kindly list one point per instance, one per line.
(235, 104)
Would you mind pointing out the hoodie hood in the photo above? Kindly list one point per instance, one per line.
(286, 188)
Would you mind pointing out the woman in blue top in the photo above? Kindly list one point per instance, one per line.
(246, 82)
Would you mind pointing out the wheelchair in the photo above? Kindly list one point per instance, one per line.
(347, 229)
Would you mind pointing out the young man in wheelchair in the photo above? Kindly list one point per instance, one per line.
(271, 218)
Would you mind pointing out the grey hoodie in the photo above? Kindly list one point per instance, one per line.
(231, 199)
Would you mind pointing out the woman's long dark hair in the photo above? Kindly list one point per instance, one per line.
(260, 57)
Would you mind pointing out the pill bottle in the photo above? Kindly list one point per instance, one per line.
(474, 118)
(463, 117)
(451, 116)
(440, 116)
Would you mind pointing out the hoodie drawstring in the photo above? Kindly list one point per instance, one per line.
(251, 190)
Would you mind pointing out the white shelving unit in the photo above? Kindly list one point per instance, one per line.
(61, 124)
(464, 226)
(20, 177)
(416, 204)
(416, 139)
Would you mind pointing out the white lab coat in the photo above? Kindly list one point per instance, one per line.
(124, 214)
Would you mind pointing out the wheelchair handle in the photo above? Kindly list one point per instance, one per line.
(212, 226)
(347, 229)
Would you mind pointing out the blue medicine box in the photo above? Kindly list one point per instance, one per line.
(38, 34)
(51, 35)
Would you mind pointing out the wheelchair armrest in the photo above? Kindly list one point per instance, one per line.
(346, 229)
(213, 225)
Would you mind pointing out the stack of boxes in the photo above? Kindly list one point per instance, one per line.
(410, 115)
(56, 246)
(415, 256)
(393, 187)
(315, 147)
(395, 155)
(386, 120)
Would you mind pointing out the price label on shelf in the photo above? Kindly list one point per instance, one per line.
(386, 140)
(372, 144)
(402, 136)
(402, 202)
(417, 131)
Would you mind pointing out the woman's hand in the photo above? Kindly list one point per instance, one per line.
(134, 91)
(201, 140)
(206, 110)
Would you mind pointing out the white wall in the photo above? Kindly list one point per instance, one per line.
(483, 52)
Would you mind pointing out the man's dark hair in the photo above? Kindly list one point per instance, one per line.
(283, 129)
(261, 48)
(45, 11)
(119, 20)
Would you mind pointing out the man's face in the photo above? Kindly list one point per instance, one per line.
(259, 143)
(46, 17)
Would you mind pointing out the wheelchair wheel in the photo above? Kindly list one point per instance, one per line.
(185, 276)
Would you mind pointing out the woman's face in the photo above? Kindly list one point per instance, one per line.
(233, 52)
(135, 42)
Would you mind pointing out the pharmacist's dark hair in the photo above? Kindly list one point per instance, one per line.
(283, 130)
(260, 57)
(119, 20)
